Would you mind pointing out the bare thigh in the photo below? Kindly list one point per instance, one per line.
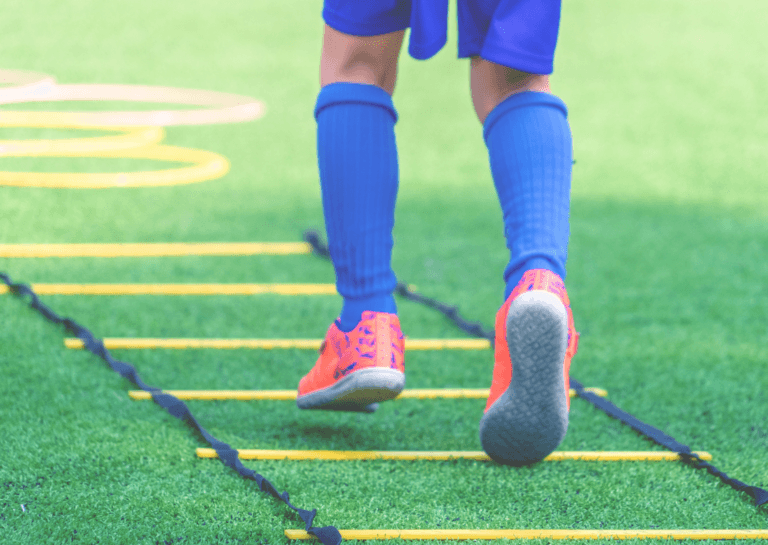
(360, 59)
(491, 83)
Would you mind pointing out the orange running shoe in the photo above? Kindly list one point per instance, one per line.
(526, 416)
(356, 370)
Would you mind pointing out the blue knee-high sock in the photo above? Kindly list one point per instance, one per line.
(530, 151)
(357, 159)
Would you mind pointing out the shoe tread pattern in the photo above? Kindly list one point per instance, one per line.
(530, 418)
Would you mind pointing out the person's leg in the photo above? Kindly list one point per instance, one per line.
(357, 159)
(530, 151)
(529, 147)
(362, 360)
(368, 60)
(491, 83)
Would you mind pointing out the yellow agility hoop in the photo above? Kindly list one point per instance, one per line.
(212, 106)
(20, 85)
(141, 131)
(206, 166)
(132, 137)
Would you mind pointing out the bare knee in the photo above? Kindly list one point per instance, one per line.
(491, 83)
(360, 59)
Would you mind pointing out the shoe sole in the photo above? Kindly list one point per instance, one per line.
(360, 391)
(530, 419)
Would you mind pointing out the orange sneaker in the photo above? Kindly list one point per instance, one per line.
(526, 416)
(356, 370)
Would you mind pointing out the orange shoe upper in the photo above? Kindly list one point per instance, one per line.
(536, 279)
(376, 341)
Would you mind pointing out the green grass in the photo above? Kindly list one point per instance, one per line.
(668, 240)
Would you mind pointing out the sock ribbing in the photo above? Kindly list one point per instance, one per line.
(357, 160)
(530, 151)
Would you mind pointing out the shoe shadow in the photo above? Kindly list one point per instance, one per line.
(327, 437)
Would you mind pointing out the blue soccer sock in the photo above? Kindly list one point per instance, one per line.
(530, 151)
(357, 159)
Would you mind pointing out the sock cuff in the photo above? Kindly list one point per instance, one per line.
(354, 93)
(519, 100)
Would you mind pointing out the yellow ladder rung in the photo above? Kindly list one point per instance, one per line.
(180, 289)
(218, 395)
(349, 455)
(155, 249)
(464, 534)
(257, 395)
(267, 344)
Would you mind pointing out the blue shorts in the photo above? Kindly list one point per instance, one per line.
(520, 34)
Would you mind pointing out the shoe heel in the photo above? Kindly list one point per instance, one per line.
(530, 419)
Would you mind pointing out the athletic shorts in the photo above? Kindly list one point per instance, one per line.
(520, 34)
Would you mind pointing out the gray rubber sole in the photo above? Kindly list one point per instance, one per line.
(530, 419)
(360, 391)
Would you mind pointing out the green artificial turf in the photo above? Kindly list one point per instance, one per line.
(666, 277)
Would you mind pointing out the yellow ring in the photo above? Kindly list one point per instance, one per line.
(206, 166)
(217, 107)
(142, 131)
(22, 85)
(134, 137)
